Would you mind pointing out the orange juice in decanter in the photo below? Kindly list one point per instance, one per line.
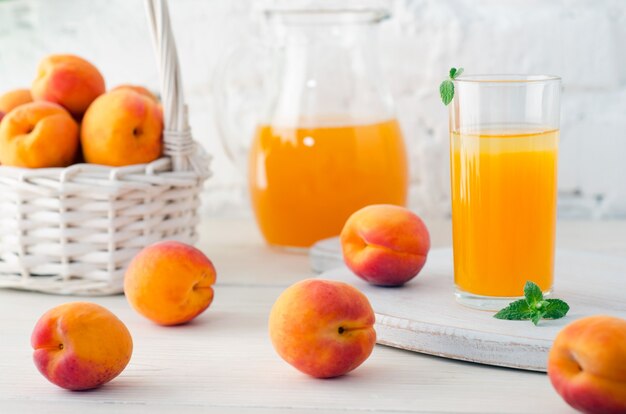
(326, 140)
(306, 181)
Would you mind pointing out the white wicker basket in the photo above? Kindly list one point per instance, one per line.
(74, 230)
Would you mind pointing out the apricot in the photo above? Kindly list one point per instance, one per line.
(12, 99)
(384, 244)
(587, 364)
(80, 345)
(323, 328)
(170, 282)
(137, 88)
(120, 128)
(69, 81)
(142, 91)
(38, 135)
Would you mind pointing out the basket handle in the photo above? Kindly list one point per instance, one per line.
(177, 140)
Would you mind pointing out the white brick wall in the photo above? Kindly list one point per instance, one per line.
(584, 41)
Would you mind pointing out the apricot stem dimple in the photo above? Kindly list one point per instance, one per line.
(60, 346)
(340, 330)
(199, 286)
(575, 360)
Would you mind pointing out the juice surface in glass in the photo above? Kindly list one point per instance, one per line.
(503, 209)
(306, 182)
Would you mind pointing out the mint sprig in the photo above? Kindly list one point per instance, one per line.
(534, 307)
(446, 89)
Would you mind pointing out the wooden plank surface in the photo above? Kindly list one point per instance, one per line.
(423, 316)
(224, 362)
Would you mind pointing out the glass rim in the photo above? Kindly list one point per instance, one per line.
(321, 15)
(507, 78)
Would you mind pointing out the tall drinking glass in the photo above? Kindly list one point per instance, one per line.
(504, 132)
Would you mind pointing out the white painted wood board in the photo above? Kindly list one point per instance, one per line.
(423, 315)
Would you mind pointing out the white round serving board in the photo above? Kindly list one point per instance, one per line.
(423, 316)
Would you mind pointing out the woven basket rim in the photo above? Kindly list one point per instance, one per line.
(81, 166)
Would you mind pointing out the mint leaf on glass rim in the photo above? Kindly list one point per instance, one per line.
(446, 89)
(455, 73)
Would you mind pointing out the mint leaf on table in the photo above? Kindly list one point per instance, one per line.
(517, 310)
(533, 307)
(446, 89)
(536, 317)
(555, 309)
(533, 294)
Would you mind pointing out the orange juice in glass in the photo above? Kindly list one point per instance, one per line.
(306, 181)
(504, 133)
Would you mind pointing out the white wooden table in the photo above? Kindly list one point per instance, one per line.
(224, 362)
